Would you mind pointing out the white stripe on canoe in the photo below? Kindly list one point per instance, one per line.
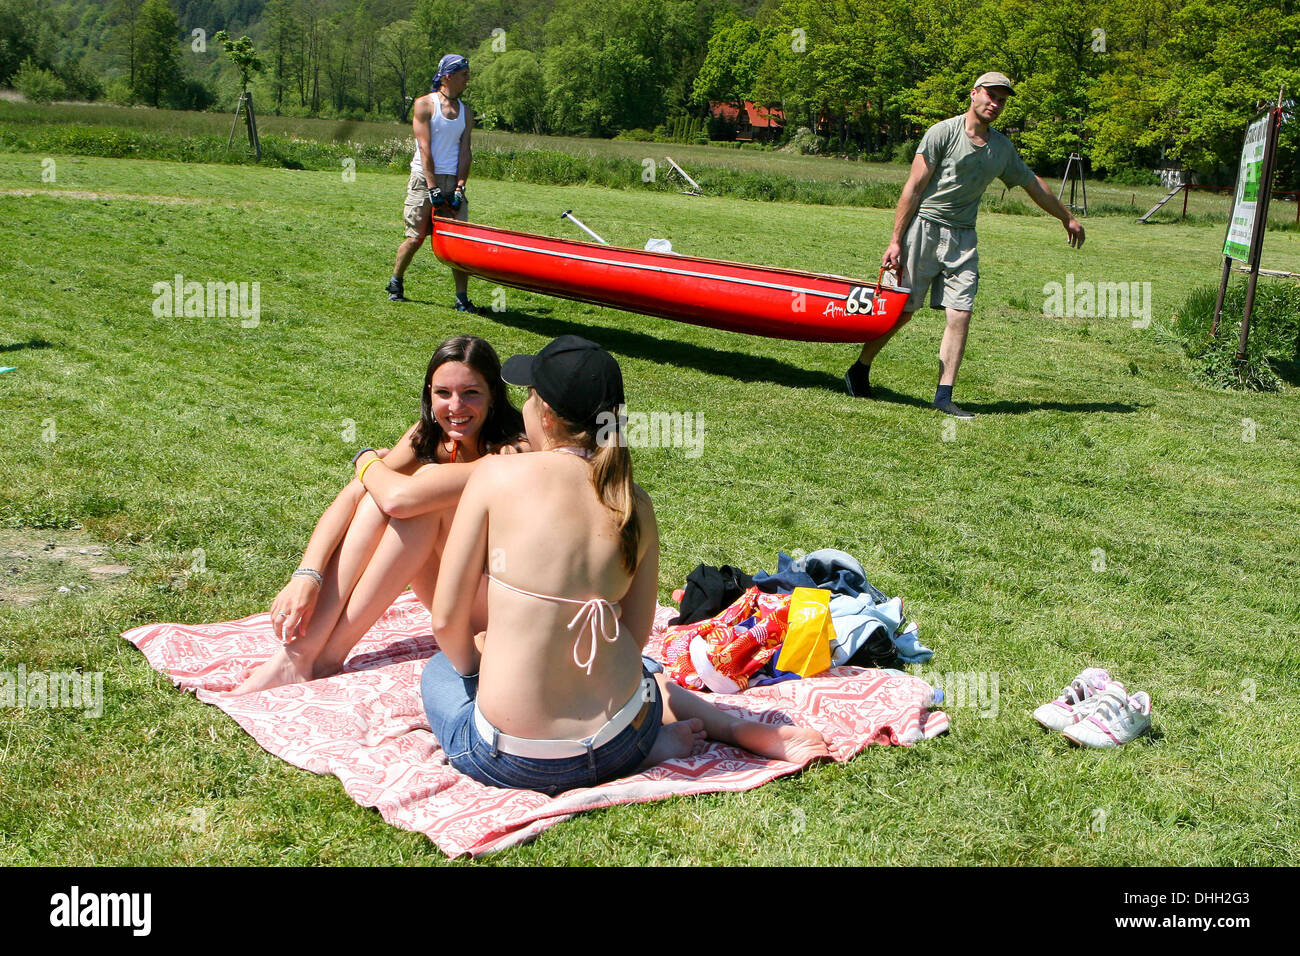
(650, 268)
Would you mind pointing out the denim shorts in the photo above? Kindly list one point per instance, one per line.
(449, 705)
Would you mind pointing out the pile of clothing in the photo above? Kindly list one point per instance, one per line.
(817, 611)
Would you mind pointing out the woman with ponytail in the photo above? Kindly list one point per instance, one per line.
(554, 694)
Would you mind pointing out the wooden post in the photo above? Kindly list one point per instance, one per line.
(1223, 288)
(245, 106)
(235, 125)
(253, 138)
(1261, 224)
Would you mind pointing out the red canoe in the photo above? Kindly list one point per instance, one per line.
(758, 300)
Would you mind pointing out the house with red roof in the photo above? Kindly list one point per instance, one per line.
(752, 123)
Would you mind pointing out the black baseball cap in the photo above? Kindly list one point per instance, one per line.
(573, 375)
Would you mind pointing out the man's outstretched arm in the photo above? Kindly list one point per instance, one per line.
(1040, 194)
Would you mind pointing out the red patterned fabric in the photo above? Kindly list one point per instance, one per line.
(367, 727)
(740, 640)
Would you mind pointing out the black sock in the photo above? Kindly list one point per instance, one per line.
(943, 394)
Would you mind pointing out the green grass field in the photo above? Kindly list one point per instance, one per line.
(1101, 510)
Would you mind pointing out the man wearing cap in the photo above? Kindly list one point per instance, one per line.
(933, 242)
(442, 125)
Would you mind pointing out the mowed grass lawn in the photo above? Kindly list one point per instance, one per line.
(1101, 510)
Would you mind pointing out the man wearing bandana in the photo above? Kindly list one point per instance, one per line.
(439, 168)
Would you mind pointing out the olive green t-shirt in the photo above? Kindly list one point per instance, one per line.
(962, 171)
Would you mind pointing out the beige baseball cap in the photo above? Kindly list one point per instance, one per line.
(995, 79)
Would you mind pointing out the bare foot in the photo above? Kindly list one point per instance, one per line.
(681, 738)
(794, 744)
(283, 668)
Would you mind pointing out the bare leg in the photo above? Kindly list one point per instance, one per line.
(405, 253)
(426, 579)
(378, 557)
(953, 345)
(295, 661)
(871, 349)
(794, 744)
(405, 547)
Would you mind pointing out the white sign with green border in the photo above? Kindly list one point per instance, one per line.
(1241, 228)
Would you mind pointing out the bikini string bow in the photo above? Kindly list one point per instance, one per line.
(595, 616)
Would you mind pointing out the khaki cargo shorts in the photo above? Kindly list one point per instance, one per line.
(942, 261)
(418, 207)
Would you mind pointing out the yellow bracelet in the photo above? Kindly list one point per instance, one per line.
(364, 468)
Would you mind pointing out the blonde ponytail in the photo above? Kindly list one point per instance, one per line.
(611, 475)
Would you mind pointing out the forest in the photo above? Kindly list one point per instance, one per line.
(1133, 84)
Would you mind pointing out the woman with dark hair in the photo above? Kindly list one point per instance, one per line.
(387, 528)
(545, 698)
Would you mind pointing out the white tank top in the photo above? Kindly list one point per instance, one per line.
(444, 140)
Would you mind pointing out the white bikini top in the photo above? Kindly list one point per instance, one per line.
(595, 614)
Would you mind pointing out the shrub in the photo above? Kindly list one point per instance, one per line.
(1132, 176)
(190, 94)
(905, 152)
(1273, 347)
(80, 82)
(119, 92)
(39, 84)
(681, 129)
(806, 142)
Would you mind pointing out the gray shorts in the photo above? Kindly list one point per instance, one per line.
(417, 209)
(942, 261)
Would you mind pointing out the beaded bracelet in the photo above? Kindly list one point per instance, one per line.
(309, 573)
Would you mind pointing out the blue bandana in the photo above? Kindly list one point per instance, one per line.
(448, 65)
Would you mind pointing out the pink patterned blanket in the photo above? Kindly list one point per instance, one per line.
(367, 727)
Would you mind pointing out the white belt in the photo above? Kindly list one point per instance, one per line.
(558, 749)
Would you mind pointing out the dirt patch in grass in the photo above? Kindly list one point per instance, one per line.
(45, 565)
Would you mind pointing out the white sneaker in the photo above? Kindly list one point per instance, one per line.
(1113, 720)
(1065, 710)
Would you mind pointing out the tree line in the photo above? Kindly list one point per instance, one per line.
(1132, 84)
